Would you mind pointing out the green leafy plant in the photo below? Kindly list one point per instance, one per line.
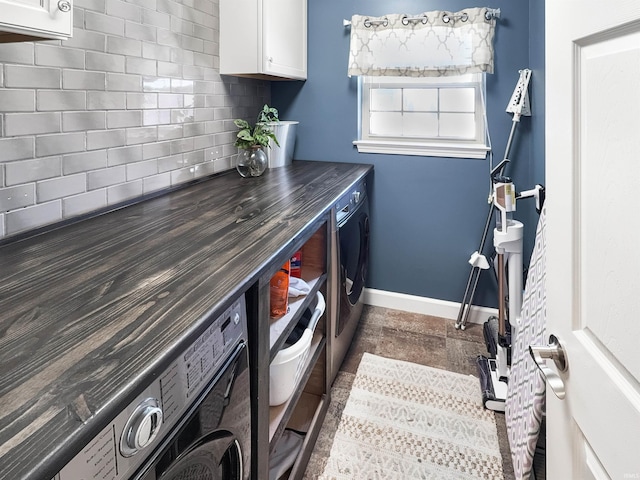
(259, 134)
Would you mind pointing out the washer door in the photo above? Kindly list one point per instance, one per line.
(354, 260)
(217, 456)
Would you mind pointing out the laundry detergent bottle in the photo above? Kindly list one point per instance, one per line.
(279, 291)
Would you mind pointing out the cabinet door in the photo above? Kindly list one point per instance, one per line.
(38, 18)
(285, 38)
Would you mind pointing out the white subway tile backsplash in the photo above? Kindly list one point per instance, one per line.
(142, 100)
(56, 56)
(156, 150)
(126, 118)
(12, 100)
(83, 80)
(138, 31)
(124, 82)
(60, 143)
(82, 121)
(27, 171)
(58, 100)
(170, 100)
(156, 19)
(222, 164)
(105, 139)
(17, 53)
(32, 217)
(156, 117)
(106, 100)
(124, 191)
(84, 203)
(98, 22)
(170, 163)
(26, 76)
(95, 5)
(156, 84)
(124, 46)
(156, 182)
(169, 69)
(84, 162)
(16, 148)
(141, 169)
(106, 177)
(181, 176)
(17, 197)
(124, 155)
(204, 169)
(141, 135)
(16, 124)
(128, 11)
(85, 39)
(169, 132)
(194, 157)
(192, 72)
(132, 104)
(156, 52)
(169, 38)
(140, 66)
(170, 7)
(105, 62)
(61, 187)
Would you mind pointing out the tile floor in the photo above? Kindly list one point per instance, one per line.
(416, 338)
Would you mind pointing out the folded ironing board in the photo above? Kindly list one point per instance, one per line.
(525, 403)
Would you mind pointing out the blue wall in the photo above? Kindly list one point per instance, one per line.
(427, 212)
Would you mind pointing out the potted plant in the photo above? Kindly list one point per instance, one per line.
(250, 140)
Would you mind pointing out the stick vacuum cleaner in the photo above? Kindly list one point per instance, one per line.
(507, 241)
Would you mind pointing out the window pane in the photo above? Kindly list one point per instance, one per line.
(385, 123)
(458, 125)
(386, 99)
(422, 100)
(420, 124)
(457, 99)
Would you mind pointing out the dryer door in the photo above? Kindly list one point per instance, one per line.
(217, 456)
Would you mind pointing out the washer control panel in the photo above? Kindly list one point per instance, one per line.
(125, 444)
(350, 200)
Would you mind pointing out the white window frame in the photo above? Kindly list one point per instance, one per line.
(437, 146)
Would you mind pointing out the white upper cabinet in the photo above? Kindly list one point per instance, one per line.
(264, 38)
(36, 18)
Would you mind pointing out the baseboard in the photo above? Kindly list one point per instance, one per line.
(424, 305)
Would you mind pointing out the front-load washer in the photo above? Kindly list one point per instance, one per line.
(192, 423)
(351, 260)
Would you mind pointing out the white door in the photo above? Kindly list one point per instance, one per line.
(593, 235)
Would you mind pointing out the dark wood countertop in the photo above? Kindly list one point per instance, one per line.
(90, 312)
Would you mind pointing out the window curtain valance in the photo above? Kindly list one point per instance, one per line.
(430, 44)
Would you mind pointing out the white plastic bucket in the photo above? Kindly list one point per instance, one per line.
(279, 156)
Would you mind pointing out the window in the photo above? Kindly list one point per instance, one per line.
(428, 116)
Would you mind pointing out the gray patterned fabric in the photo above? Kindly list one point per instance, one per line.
(429, 44)
(525, 404)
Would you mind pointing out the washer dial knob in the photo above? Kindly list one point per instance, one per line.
(141, 428)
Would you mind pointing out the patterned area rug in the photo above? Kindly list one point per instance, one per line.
(407, 421)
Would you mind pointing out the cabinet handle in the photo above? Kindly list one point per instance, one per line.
(64, 5)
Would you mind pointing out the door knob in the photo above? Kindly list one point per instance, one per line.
(554, 352)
